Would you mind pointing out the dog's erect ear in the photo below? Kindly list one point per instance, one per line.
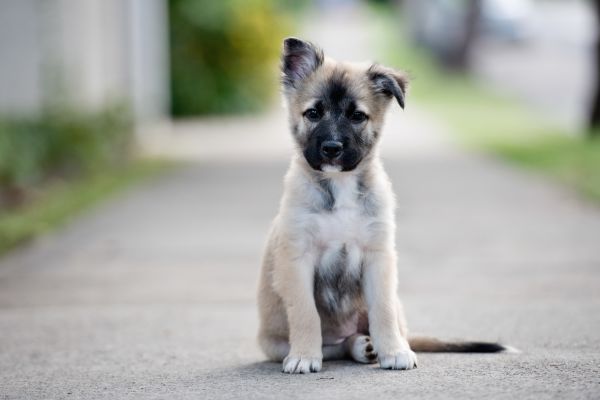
(299, 60)
(388, 82)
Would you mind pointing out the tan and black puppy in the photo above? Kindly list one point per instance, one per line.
(328, 282)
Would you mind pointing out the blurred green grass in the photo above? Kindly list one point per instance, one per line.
(489, 122)
(62, 200)
(60, 162)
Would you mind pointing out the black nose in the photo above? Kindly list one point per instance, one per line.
(331, 149)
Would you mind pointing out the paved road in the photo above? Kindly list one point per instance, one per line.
(151, 295)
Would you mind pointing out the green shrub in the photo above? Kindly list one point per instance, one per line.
(59, 143)
(224, 54)
(60, 202)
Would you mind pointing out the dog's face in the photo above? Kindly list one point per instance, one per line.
(336, 109)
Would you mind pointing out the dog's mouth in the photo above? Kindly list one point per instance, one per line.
(328, 167)
(336, 165)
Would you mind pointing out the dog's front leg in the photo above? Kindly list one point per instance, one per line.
(295, 286)
(379, 286)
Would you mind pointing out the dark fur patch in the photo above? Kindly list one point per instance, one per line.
(299, 60)
(366, 198)
(475, 347)
(336, 104)
(336, 92)
(335, 287)
(328, 197)
(432, 345)
(388, 82)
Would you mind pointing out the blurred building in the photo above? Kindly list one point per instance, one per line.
(85, 52)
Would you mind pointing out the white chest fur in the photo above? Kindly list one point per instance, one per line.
(339, 240)
(339, 232)
(323, 213)
(345, 221)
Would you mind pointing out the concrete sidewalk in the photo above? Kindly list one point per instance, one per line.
(152, 295)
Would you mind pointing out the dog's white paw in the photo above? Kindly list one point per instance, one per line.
(301, 365)
(406, 359)
(362, 350)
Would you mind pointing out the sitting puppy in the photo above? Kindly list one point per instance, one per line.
(328, 281)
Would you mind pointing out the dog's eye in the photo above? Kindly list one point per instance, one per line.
(358, 116)
(312, 114)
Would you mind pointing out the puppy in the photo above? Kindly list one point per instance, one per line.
(328, 281)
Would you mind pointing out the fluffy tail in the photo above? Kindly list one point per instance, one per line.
(431, 345)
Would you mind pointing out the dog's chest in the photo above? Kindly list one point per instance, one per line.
(343, 219)
(337, 284)
(341, 237)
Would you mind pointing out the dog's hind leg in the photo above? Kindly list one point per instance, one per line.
(357, 347)
(360, 349)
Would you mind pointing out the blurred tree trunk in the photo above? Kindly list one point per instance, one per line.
(459, 59)
(594, 118)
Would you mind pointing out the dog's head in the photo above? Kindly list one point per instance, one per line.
(336, 109)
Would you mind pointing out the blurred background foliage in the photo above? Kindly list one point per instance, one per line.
(223, 53)
(61, 157)
(60, 143)
(57, 163)
(223, 59)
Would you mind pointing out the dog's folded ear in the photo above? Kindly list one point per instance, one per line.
(299, 60)
(388, 82)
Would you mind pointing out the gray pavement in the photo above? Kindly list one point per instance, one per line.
(152, 294)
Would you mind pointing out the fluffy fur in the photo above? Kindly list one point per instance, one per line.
(329, 278)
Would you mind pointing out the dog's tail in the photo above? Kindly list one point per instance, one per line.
(432, 345)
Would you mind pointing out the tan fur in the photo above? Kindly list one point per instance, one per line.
(306, 243)
(291, 326)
